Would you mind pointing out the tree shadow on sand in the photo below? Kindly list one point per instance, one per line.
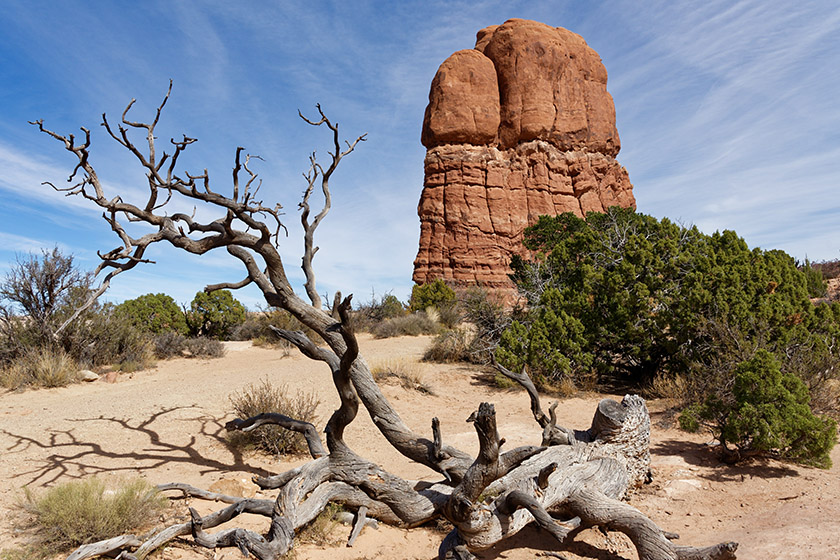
(70, 456)
(538, 540)
(704, 455)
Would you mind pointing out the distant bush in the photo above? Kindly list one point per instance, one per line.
(451, 345)
(368, 316)
(155, 313)
(432, 294)
(257, 327)
(829, 269)
(766, 412)
(105, 338)
(476, 341)
(44, 289)
(169, 344)
(39, 295)
(266, 397)
(407, 325)
(214, 314)
(85, 511)
(203, 347)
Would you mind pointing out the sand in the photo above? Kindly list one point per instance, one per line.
(166, 424)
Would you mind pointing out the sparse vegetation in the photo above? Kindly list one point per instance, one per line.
(368, 316)
(169, 344)
(320, 531)
(266, 397)
(407, 325)
(204, 347)
(84, 511)
(829, 269)
(39, 296)
(451, 345)
(257, 328)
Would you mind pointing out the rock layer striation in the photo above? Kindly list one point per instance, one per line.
(519, 127)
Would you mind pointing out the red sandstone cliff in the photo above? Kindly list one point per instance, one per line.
(519, 127)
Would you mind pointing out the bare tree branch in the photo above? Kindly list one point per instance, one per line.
(315, 172)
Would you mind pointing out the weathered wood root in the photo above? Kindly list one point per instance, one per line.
(595, 508)
(309, 432)
(584, 480)
(246, 541)
(104, 547)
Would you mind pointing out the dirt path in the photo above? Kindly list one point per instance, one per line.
(166, 424)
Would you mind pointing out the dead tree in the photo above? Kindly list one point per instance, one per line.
(573, 480)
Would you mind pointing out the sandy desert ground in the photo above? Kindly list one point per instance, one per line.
(166, 424)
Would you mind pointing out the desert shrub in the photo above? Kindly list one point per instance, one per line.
(251, 328)
(651, 304)
(41, 288)
(451, 345)
(203, 347)
(155, 313)
(40, 368)
(553, 344)
(105, 337)
(814, 279)
(388, 307)
(320, 530)
(169, 344)
(632, 291)
(46, 291)
(407, 325)
(476, 342)
(214, 314)
(432, 294)
(257, 327)
(266, 397)
(84, 511)
(766, 411)
(368, 316)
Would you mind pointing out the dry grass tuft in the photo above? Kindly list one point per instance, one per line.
(452, 345)
(405, 372)
(40, 368)
(266, 397)
(84, 511)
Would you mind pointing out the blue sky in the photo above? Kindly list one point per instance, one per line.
(728, 112)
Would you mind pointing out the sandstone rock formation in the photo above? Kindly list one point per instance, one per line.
(519, 127)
